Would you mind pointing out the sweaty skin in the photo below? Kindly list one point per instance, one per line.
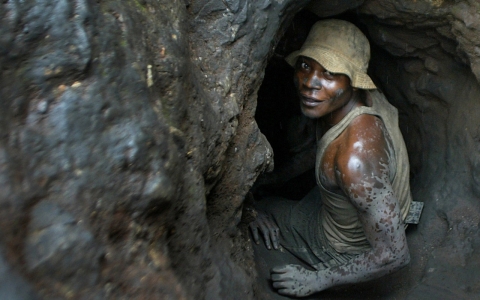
(356, 164)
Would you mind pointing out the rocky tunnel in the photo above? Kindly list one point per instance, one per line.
(129, 141)
(424, 74)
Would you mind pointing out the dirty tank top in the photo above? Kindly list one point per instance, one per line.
(339, 218)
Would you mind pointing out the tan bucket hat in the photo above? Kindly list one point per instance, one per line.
(340, 47)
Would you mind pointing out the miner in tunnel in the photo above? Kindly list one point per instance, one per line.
(351, 227)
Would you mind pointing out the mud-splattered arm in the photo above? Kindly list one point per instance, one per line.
(362, 172)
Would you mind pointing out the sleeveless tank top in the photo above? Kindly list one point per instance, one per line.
(339, 218)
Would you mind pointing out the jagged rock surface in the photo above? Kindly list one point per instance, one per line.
(128, 144)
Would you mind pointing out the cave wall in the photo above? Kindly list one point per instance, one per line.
(128, 143)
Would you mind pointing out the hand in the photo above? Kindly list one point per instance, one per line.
(295, 280)
(269, 229)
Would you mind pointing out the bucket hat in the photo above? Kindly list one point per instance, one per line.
(340, 47)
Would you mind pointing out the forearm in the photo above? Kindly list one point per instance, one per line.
(294, 280)
(364, 267)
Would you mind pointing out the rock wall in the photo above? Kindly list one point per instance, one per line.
(128, 142)
(429, 70)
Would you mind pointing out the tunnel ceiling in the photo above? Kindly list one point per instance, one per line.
(128, 142)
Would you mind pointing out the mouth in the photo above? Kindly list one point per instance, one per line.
(310, 102)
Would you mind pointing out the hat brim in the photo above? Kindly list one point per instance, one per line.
(336, 64)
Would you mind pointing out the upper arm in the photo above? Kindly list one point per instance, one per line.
(363, 175)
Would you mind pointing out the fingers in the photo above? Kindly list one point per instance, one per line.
(294, 280)
(269, 230)
(285, 292)
(284, 269)
(280, 278)
(282, 281)
(266, 235)
(281, 284)
(254, 230)
(285, 273)
(274, 235)
(295, 292)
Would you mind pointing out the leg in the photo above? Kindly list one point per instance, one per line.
(298, 222)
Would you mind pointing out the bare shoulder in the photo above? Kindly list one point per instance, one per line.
(365, 128)
(363, 157)
(365, 137)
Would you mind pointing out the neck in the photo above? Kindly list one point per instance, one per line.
(336, 116)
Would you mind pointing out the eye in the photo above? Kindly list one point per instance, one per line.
(302, 65)
(328, 74)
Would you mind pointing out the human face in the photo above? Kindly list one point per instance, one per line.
(322, 93)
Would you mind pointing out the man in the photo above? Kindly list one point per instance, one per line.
(350, 228)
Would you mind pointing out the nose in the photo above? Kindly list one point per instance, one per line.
(313, 81)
